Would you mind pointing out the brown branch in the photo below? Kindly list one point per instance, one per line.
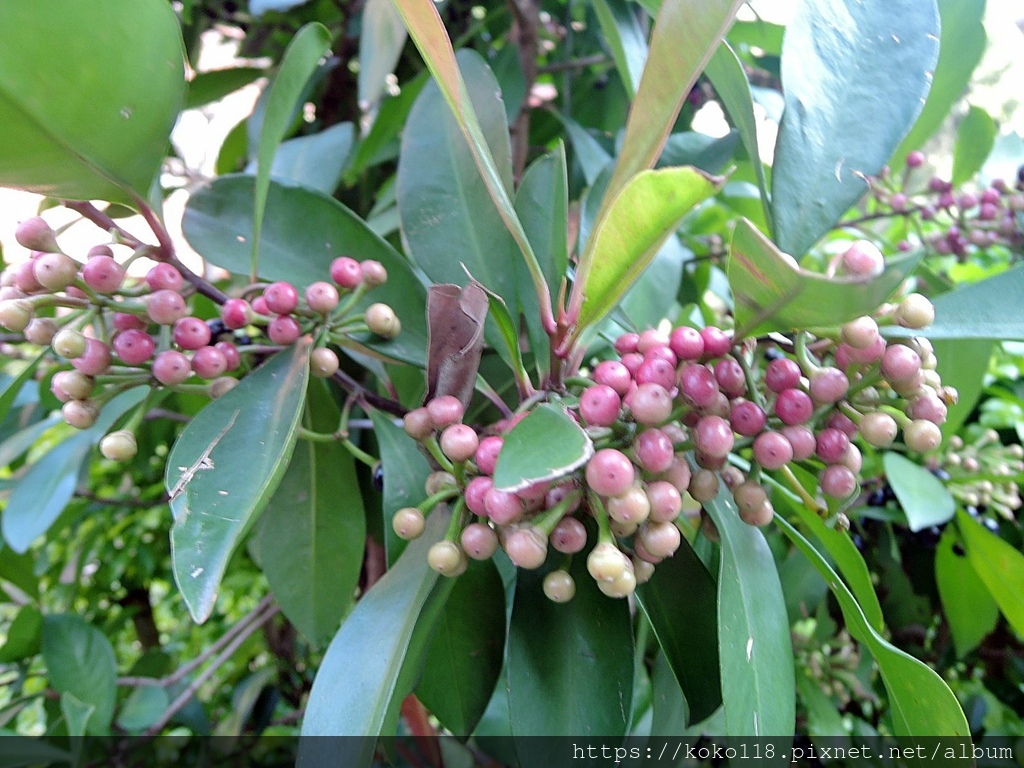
(524, 33)
(110, 501)
(582, 63)
(367, 396)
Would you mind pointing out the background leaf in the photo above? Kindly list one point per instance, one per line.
(978, 310)
(303, 231)
(24, 635)
(102, 133)
(962, 365)
(625, 38)
(975, 137)
(844, 63)
(315, 161)
(547, 444)
(999, 565)
(218, 484)
(313, 533)
(968, 606)
(924, 498)
(215, 84)
(80, 661)
(381, 39)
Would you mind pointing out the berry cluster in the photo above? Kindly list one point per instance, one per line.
(670, 399)
(982, 470)
(117, 332)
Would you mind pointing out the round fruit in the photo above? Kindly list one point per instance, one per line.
(559, 586)
(95, 360)
(119, 445)
(164, 277)
(772, 450)
(650, 404)
(382, 320)
(630, 507)
(569, 536)
(445, 557)
(209, 363)
(165, 306)
(322, 297)
(915, 311)
(445, 411)
(479, 541)
(102, 274)
(878, 429)
(417, 424)
(80, 414)
(171, 367)
(323, 362)
(600, 405)
(41, 331)
(459, 442)
(526, 547)
(653, 450)
(55, 271)
(284, 330)
(346, 272)
(282, 298)
(408, 523)
(15, 315)
(609, 472)
(191, 333)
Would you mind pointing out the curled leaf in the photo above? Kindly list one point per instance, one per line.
(455, 323)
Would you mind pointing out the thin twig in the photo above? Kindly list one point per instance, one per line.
(114, 502)
(369, 397)
(581, 63)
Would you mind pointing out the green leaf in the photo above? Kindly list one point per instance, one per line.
(19, 570)
(22, 751)
(979, 310)
(219, 481)
(754, 650)
(546, 445)
(684, 621)
(646, 211)
(405, 474)
(570, 666)
(314, 530)
(925, 500)
(962, 42)
(773, 293)
(243, 701)
(80, 660)
(24, 635)
(215, 84)
(13, 387)
(508, 331)
(686, 33)
(466, 653)
(670, 714)
(15, 446)
(626, 38)
(845, 65)
(260, 7)
(963, 364)
(356, 683)
(297, 65)
(999, 565)
(143, 707)
(101, 134)
(76, 714)
(970, 609)
(706, 153)
(49, 484)
(975, 137)
(920, 703)
(823, 718)
(428, 32)
(726, 73)
(381, 39)
(303, 231)
(315, 161)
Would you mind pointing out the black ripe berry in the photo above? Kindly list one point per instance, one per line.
(378, 478)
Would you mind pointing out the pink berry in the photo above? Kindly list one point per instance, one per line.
(134, 346)
(284, 330)
(650, 340)
(209, 362)
(502, 507)
(627, 343)
(828, 385)
(780, 374)
(860, 333)
(486, 457)
(126, 322)
(900, 363)
(346, 272)
(373, 272)
(746, 418)
(281, 298)
(650, 404)
(164, 277)
(716, 342)
(614, 374)
(801, 439)
(102, 274)
(191, 333)
(729, 375)
(863, 259)
(476, 494)
(686, 343)
(697, 385)
(678, 474)
(171, 367)
(165, 306)
(794, 406)
(928, 407)
(842, 422)
(656, 371)
(665, 500)
(772, 450)
(55, 271)
(96, 359)
(713, 436)
(322, 297)
(560, 493)
(661, 352)
(259, 306)
(609, 472)
(445, 411)
(526, 547)
(632, 362)
(236, 313)
(831, 445)
(478, 541)
(837, 481)
(915, 159)
(459, 442)
(569, 536)
(600, 405)
(654, 450)
(36, 235)
(25, 277)
(231, 357)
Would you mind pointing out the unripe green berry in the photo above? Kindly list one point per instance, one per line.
(922, 436)
(16, 314)
(439, 481)
(418, 424)
(69, 344)
(915, 311)
(119, 445)
(860, 333)
(323, 362)
(41, 331)
(559, 587)
(382, 320)
(660, 539)
(623, 585)
(631, 507)
(605, 562)
(408, 523)
(71, 385)
(526, 547)
(878, 429)
(80, 414)
(445, 557)
(56, 271)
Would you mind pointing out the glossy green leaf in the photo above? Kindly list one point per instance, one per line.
(356, 683)
(12, 388)
(392, 113)
(76, 714)
(508, 331)
(625, 38)
(962, 43)
(969, 608)
(920, 703)
(975, 137)
(726, 73)
(646, 211)
(773, 293)
(999, 565)
(80, 661)
(15, 446)
(546, 445)
(22, 751)
(685, 623)
(24, 635)
(925, 500)
(670, 714)
(448, 218)
(686, 33)
(466, 653)
(844, 63)
(49, 483)
(143, 707)
(297, 65)
(219, 483)
(963, 364)
(315, 161)
(313, 533)
(102, 133)
(303, 231)
(381, 39)
(979, 310)
(754, 651)
(215, 84)
(570, 665)
(706, 153)
(428, 32)
(405, 474)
